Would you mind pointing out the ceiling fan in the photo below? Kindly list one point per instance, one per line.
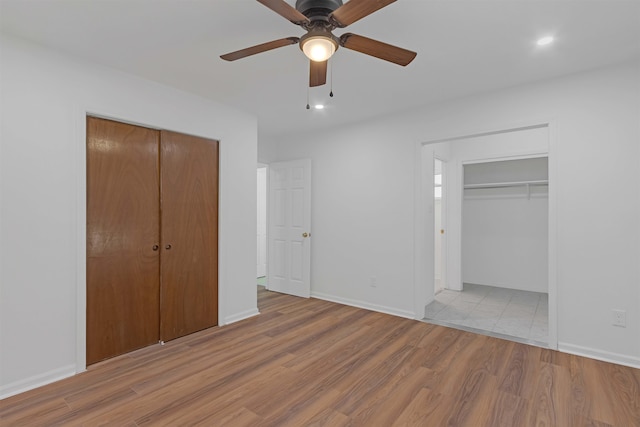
(319, 18)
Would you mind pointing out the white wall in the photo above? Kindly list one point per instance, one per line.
(361, 216)
(505, 241)
(45, 96)
(505, 235)
(267, 150)
(366, 188)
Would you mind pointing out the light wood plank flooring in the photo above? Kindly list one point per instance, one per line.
(315, 363)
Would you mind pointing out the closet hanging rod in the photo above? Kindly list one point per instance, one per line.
(507, 184)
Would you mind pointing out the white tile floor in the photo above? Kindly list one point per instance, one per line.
(519, 314)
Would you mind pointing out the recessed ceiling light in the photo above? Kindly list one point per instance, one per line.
(545, 41)
(318, 107)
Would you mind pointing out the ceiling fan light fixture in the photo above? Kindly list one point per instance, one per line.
(318, 48)
(319, 18)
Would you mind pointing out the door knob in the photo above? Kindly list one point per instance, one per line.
(167, 247)
(306, 235)
(156, 247)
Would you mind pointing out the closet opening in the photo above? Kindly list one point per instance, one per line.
(498, 216)
(504, 251)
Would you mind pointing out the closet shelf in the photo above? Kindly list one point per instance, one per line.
(527, 184)
(507, 184)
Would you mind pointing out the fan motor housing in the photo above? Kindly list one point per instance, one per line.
(313, 8)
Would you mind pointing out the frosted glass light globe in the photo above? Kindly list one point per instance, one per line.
(319, 48)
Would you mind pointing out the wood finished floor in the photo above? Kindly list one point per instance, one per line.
(315, 363)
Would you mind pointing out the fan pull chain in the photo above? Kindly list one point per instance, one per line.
(331, 77)
(308, 107)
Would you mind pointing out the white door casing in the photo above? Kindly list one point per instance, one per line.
(442, 231)
(261, 235)
(290, 227)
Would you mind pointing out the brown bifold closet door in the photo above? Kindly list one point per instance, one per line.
(123, 223)
(152, 236)
(189, 230)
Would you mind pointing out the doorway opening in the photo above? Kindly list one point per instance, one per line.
(500, 217)
(284, 227)
(504, 251)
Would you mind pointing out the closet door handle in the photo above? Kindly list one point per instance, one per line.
(167, 247)
(156, 247)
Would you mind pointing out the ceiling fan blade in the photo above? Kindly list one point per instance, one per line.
(354, 10)
(380, 50)
(259, 48)
(317, 73)
(285, 10)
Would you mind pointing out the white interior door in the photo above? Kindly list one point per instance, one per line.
(290, 227)
(438, 223)
(261, 235)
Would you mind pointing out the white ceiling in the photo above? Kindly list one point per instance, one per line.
(464, 47)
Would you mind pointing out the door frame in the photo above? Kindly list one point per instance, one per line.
(80, 137)
(423, 190)
(443, 221)
(265, 166)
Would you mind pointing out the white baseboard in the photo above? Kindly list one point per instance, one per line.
(605, 356)
(7, 390)
(240, 316)
(366, 305)
(37, 381)
(543, 290)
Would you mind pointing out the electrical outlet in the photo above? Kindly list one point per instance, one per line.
(620, 318)
(372, 282)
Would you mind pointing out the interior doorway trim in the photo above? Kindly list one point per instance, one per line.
(265, 166)
(421, 191)
(442, 229)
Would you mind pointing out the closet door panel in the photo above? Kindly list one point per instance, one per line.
(122, 229)
(189, 232)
